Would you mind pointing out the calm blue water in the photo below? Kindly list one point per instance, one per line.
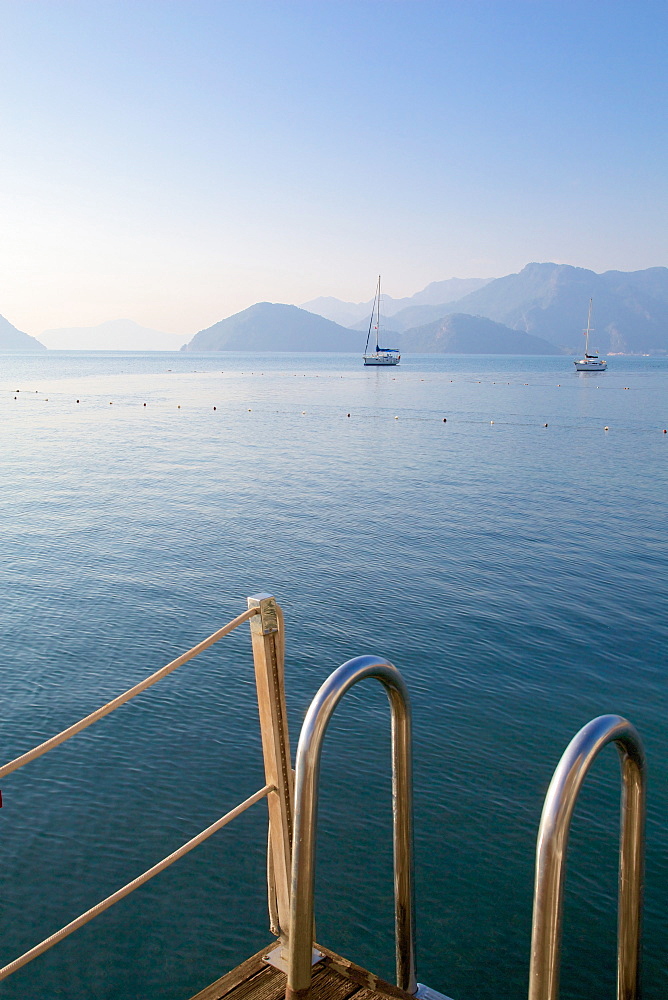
(515, 573)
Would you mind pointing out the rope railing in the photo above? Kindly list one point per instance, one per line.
(88, 720)
(100, 907)
(132, 692)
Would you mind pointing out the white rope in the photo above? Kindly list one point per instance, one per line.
(67, 734)
(94, 911)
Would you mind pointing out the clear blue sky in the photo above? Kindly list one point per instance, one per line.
(176, 161)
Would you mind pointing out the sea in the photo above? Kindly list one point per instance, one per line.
(495, 526)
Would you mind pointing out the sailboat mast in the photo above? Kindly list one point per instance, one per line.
(378, 315)
(368, 336)
(588, 328)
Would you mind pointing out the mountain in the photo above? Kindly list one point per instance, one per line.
(353, 314)
(438, 292)
(272, 326)
(630, 313)
(114, 335)
(269, 326)
(463, 334)
(12, 339)
(346, 314)
(412, 316)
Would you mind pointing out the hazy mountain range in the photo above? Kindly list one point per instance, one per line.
(630, 313)
(550, 301)
(123, 334)
(270, 326)
(542, 309)
(356, 314)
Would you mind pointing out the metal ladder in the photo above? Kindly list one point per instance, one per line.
(551, 847)
(300, 953)
(551, 856)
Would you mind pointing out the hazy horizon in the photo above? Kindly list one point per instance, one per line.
(177, 162)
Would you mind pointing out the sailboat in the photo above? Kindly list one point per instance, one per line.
(590, 362)
(382, 355)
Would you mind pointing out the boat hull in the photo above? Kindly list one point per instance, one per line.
(587, 365)
(381, 359)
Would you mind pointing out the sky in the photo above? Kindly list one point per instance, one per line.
(175, 161)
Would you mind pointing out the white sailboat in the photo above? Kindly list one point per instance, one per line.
(382, 355)
(590, 362)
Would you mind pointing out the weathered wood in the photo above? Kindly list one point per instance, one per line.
(361, 977)
(328, 985)
(335, 978)
(268, 655)
(236, 977)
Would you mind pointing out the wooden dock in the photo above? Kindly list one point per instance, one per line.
(334, 978)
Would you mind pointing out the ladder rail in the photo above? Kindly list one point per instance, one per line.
(551, 856)
(305, 819)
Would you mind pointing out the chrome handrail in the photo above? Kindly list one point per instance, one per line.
(551, 856)
(306, 809)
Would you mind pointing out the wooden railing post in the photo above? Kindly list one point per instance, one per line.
(268, 654)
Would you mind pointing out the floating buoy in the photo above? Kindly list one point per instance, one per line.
(396, 418)
(144, 404)
(110, 402)
(178, 407)
(445, 420)
(304, 411)
(606, 428)
(348, 414)
(665, 431)
(214, 406)
(491, 421)
(249, 410)
(77, 400)
(544, 425)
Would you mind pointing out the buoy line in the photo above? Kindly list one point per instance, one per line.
(163, 405)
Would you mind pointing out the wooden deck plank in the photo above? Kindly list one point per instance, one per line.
(242, 973)
(328, 985)
(362, 977)
(336, 978)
